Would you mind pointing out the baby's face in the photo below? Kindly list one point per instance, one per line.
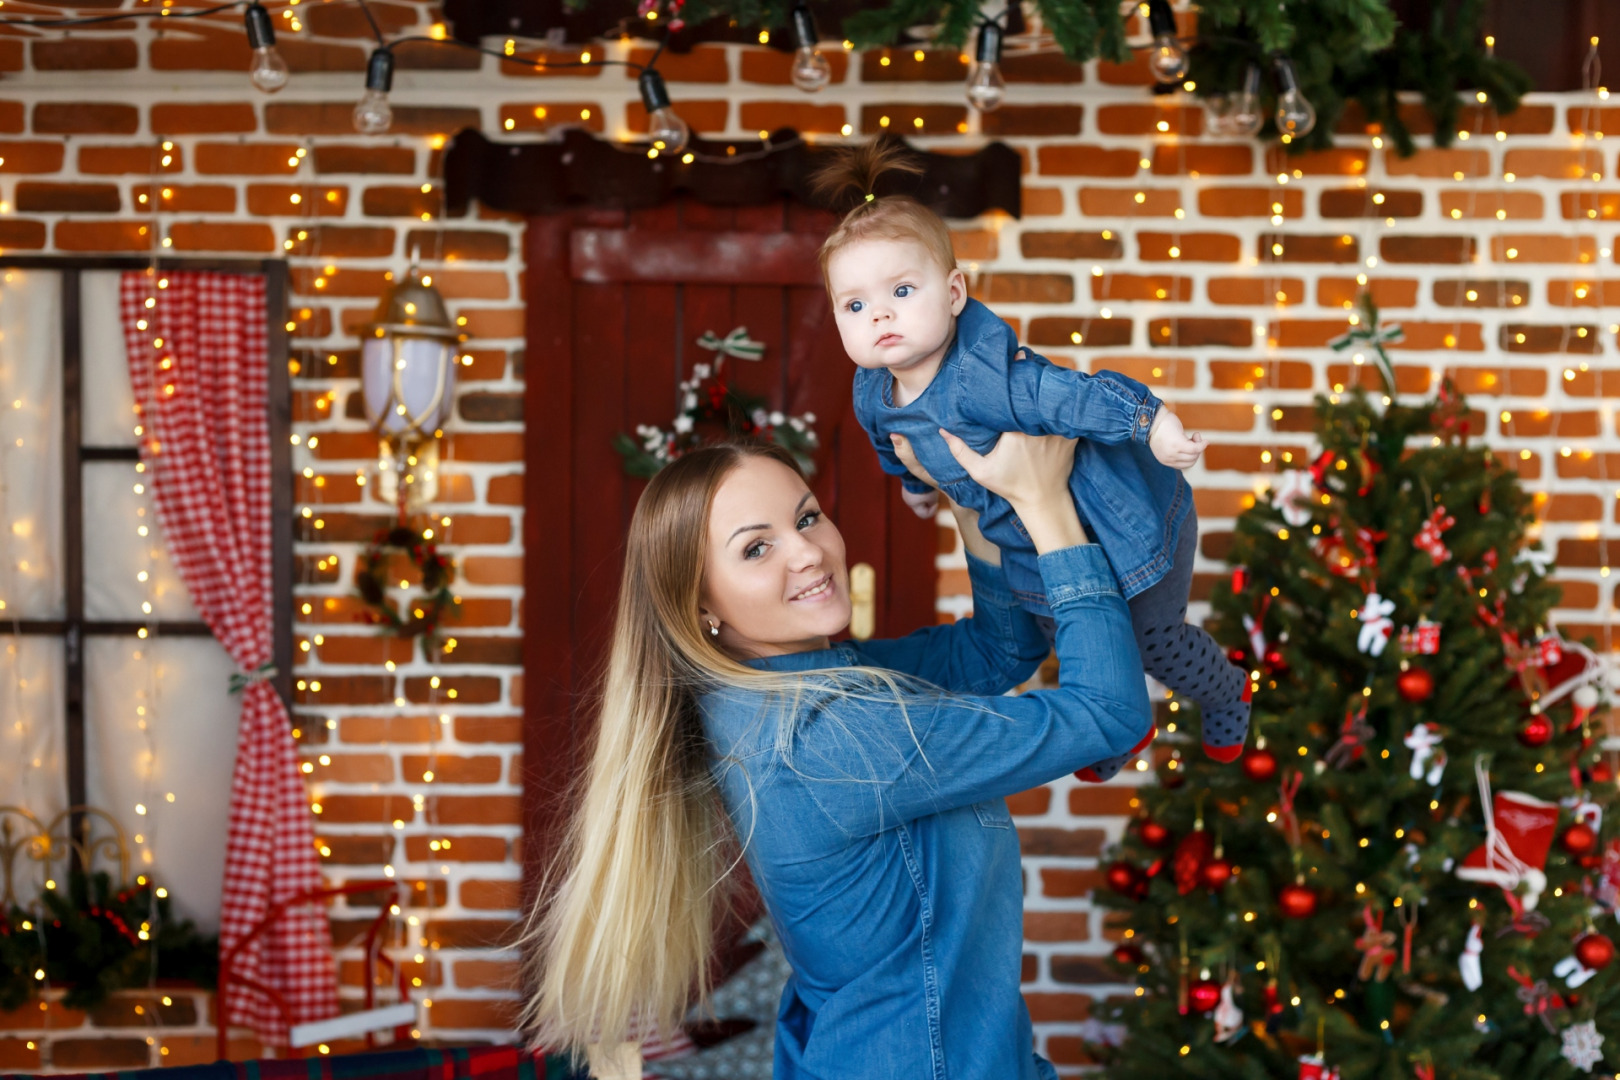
(895, 305)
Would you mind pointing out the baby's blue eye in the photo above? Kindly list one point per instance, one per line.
(903, 291)
(856, 305)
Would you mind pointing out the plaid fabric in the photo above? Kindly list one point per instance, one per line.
(202, 401)
(475, 1063)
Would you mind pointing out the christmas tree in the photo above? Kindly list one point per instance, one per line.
(1410, 872)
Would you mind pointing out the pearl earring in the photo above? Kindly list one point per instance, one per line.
(714, 629)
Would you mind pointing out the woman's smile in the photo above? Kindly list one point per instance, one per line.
(824, 589)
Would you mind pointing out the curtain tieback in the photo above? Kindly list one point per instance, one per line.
(244, 679)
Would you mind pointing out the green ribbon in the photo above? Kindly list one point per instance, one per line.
(244, 679)
(1370, 334)
(737, 343)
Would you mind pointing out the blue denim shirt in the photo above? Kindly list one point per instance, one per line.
(1131, 504)
(879, 839)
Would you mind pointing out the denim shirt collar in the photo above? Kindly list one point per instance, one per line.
(840, 655)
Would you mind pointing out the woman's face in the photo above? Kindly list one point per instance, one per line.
(773, 575)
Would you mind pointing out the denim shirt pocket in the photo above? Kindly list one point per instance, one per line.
(993, 814)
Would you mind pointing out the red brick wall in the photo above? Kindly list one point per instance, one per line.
(1215, 271)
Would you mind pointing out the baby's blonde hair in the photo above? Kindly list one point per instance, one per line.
(853, 174)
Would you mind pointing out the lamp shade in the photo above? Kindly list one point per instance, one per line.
(408, 361)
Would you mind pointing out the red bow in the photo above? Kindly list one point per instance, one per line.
(1319, 468)
(1538, 999)
(1285, 805)
(1428, 536)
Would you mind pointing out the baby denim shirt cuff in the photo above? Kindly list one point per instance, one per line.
(1076, 573)
(1145, 412)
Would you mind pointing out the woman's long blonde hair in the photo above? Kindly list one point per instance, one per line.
(620, 941)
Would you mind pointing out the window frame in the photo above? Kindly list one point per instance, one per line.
(74, 628)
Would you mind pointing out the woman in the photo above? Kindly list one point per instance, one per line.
(863, 781)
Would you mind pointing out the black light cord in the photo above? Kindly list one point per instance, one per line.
(515, 59)
(376, 31)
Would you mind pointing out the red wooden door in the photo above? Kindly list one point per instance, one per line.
(616, 302)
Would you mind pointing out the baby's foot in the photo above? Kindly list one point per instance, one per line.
(1226, 727)
(1108, 768)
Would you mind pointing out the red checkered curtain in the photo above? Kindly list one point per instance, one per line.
(199, 363)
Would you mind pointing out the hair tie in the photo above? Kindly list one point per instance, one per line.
(870, 196)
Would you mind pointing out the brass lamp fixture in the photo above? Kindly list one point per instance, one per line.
(408, 357)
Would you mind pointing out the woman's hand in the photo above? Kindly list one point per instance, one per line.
(1032, 473)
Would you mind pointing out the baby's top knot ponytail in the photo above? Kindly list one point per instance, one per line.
(850, 183)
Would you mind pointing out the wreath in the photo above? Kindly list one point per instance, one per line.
(711, 410)
(422, 617)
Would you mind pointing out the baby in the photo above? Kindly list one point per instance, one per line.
(929, 358)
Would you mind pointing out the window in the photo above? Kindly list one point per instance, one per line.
(113, 692)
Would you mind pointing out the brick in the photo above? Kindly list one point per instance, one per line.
(391, 729)
(1259, 375)
(1129, 202)
(1501, 205)
(1593, 383)
(348, 22)
(469, 933)
(703, 115)
(357, 850)
(337, 118)
(1141, 287)
(41, 1015)
(1150, 119)
(102, 236)
(454, 245)
(912, 66)
(1068, 883)
(1528, 248)
(1409, 378)
(1435, 163)
(1190, 246)
(1586, 205)
(1296, 248)
(1553, 164)
(490, 895)
(1465, 336)
(85, 54)
(975, 244)
(364, 809)
(301, 200)
(1335, 162)
(1221, 504)
(124, 160)
(1134, 72)
(463, 689)
(1582, 293)
(452, 768)
(1251, 202)
(1539, 423)
(1081, 969)
(347, 689)
(400, 201)
(1013, 288)
(18, 233)
(188, 198)
(1069, 332)
(774, 67)
(1048, 68)
(12, 120)
(1216, 416)
(1528, 338)
(1427, 249)
(1070, 1050)
(1525, 120)
(134, 1008)
(1031, 802)
(202, 1049)
(1195, 332)
(1070, 245)
(31, 157)
(1193, 159)
(1266, 290)
(343, 241)
(100, 1054)
(1219, 458)
(473, 1013)
(85, 118)
(1568, 508)
(1045, 121)
(173, 118)
(334, 159)
(1070, 842)
(1305, 333)
(1075, 159)
(1057, 925)
(1477, 292)
(909, 118)
(222, 236)
(461, 849)
(19, 1054)
(486, 974)
(1371, 203)
(1386, 292)
(358, 769)
(247, 159)
(371, 650)
(1585, 554)
(798, 115)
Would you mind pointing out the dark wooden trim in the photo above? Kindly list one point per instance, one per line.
(109, 453)
(73, 536)
(613, 255)
(548, 706)
(104, 628)
(281, 479)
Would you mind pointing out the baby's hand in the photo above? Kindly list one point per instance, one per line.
(1170, 442)
(924, 504)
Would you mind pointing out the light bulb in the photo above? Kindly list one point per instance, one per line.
(373, 116)
(1243, 115)
(667, 131)
(1167, 59)
(268, 71)
(810, 69)
(1295, 116)
(985, 87)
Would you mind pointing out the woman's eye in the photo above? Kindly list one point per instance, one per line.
(856, 305)
(754, 550)
(903, 291)
(809, 519)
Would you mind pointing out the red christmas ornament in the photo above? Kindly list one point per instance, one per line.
(1122, 878)
(1275, 664)
(1203, 995)
(1192, 852)
(1297, 901)
(1537, 731)
(1259, 765)
(1579, 839)
(1594, 951)
(1414, 684)
(1129, 955)
(1601, 773)
(1216, 873)
(1153, 834)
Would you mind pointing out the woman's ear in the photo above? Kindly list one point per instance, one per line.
(957, 284)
